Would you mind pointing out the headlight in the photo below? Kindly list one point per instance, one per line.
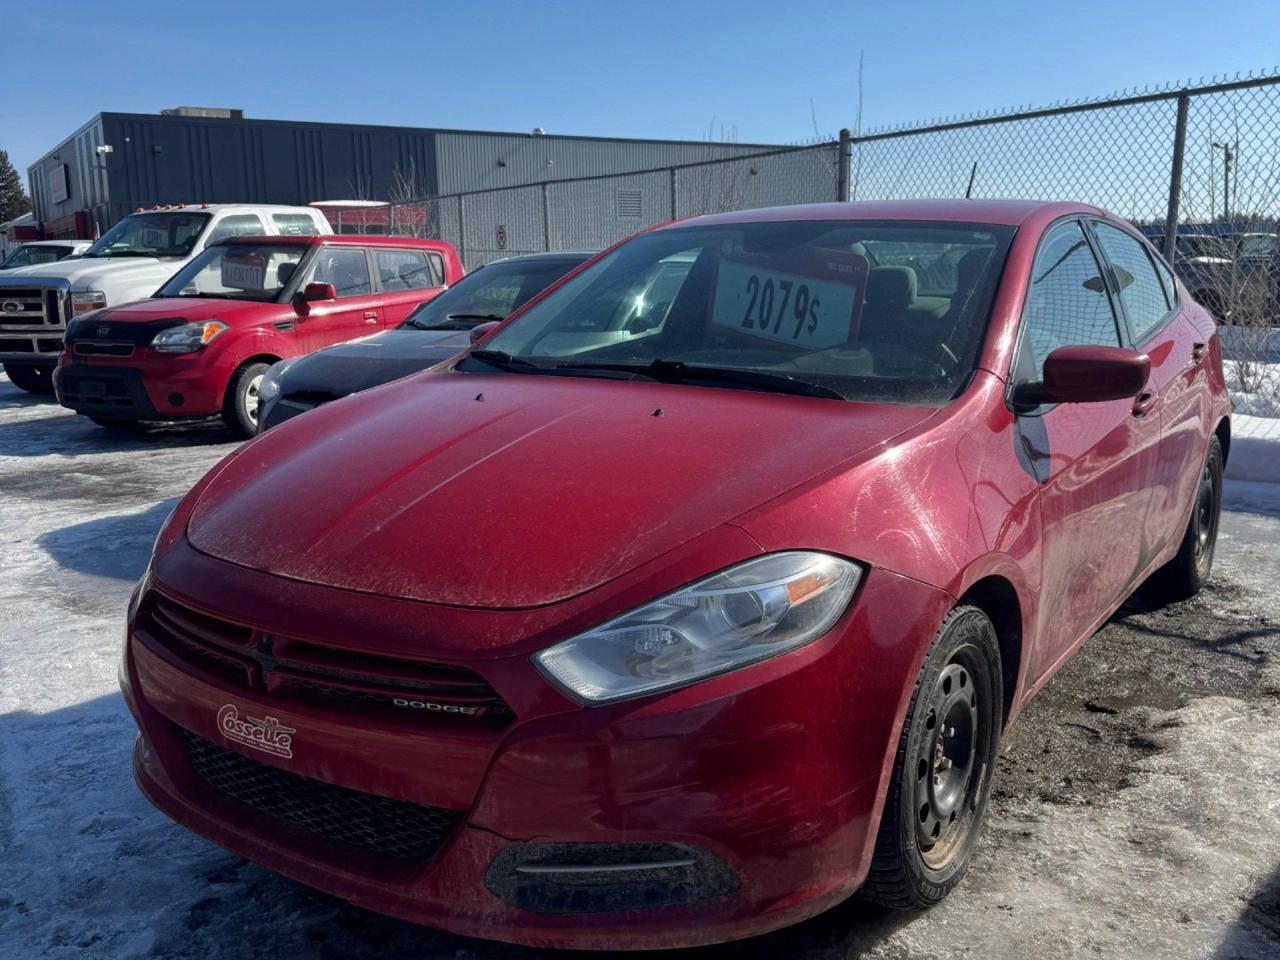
(747, 613)
(188, 337)
(86, 301)
(269, 388)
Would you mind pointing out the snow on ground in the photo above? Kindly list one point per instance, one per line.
(1148, 824)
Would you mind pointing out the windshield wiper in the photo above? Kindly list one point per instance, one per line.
(676, 371)
(504, 360)
(473, 316)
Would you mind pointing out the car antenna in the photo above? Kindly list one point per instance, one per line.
(968, 193)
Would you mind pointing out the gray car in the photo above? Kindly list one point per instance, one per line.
(434, 332)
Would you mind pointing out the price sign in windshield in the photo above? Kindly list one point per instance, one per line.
(157, 238)
(248, 272)
(807, 310)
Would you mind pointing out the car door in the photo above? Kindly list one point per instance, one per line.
(1093, 460)
(357, 309)
(407, 278)
(1178, 349)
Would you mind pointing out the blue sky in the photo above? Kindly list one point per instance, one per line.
(741, 68)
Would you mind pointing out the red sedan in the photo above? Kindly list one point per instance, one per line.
(696, 596)
(201, 345)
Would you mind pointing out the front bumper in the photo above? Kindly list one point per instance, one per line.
(159, 387)
(769, 778)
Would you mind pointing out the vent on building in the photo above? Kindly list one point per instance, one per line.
(629, 204)
(208, 113)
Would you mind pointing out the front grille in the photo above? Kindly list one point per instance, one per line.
(96, 348)
(389, 828)
(311, 672)
(28, 306)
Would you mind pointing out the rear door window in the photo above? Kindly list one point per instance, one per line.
(238, 225)
(1142, 293)
(405, 270)
(295, 224)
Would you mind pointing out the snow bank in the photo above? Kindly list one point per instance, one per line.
(1255, 449)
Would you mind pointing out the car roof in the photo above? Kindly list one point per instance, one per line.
(1010, 212)
(49, 243)
(221, 207)
(339, 240)
(547, 255)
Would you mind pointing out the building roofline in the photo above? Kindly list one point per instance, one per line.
(266, 121)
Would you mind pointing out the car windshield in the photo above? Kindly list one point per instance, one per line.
(489, 293)
(883, 311)
(31, 254)
(151, 235)
(237, 271)
(1258, 245)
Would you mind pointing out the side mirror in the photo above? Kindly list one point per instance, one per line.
(1087, 374)
(313, 292)
(482, 330)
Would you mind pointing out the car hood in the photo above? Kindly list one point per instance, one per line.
(187, 308)
(360, 364)
(107, 273)
(511, 491)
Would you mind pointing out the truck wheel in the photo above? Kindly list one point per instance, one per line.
(113, 423)
(942, 774)
(30, 377)
(240, 405)
(1183, 576)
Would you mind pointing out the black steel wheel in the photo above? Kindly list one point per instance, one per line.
(1189, 570)
(943, 771)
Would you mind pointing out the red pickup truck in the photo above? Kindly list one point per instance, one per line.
(200, 345)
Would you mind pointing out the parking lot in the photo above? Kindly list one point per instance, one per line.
(1136, 809)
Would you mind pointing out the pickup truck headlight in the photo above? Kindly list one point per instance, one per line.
(188, 336)
(747, 613)
(86, 301)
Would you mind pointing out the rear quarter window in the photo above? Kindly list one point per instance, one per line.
(295, 224)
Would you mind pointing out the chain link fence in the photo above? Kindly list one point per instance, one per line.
(1197, 168)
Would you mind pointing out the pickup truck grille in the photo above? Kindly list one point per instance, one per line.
(32, 317)
(304, 671)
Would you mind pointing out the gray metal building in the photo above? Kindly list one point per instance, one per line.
(119, 161)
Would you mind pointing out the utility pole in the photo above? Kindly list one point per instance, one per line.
(1227, 155)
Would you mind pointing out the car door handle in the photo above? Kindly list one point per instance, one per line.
(1199, 351)
(371, 316)
(1143, 403)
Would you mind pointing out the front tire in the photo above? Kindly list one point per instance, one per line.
(1186, 574)
(240, 405)
(942, 774)
(31, 377)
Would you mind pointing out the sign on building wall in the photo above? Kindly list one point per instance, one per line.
(58, 190)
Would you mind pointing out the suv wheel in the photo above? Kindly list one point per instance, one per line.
(240, 405)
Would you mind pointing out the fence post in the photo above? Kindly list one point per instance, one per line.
(462, 229)
(674, 215)
(546, 218)
(1175, 177)
(844, 164)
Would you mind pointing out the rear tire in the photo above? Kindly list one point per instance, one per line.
(31, 377)
(240, 405)
(1184, 576)
(943, 770)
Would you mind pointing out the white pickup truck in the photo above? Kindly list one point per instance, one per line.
(129, 262)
